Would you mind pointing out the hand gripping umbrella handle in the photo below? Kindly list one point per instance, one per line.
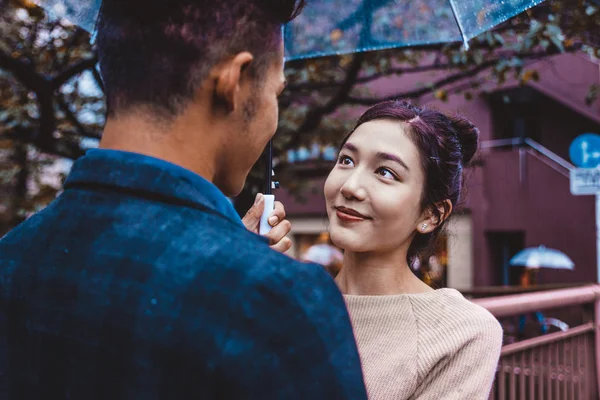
(264, 226)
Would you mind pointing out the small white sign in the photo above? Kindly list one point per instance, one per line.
(585, 181)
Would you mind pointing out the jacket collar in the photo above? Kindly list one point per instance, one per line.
(149, 177)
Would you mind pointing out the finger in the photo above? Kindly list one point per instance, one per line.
(279, 232)
(284, 245)
(278, 214)
(255, 212)
(252, 217)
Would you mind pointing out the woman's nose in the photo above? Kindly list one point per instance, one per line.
(352, 189)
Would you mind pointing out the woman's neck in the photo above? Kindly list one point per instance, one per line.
(377, 274)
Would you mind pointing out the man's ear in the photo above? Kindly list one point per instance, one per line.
(228, 77)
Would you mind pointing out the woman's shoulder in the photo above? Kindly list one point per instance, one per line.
(455, 315)
(451, 327)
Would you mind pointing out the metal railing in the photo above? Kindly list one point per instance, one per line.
(556, 366)
(548, 154)
(532, 147)
(479, 292)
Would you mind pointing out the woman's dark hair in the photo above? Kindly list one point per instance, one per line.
(156, 53)
(446, 144)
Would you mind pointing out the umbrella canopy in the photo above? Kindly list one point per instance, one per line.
(329, 27)
(542, 257)
(347, 26)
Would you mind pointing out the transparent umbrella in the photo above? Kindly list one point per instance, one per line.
(348, 26)
(542, 257)
(329, 27)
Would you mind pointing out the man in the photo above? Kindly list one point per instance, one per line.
(140, 281)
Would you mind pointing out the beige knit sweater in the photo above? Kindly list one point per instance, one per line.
(434, 345)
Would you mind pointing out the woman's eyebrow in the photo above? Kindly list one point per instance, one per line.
(392, 157)
(382, 155)
(349, 146)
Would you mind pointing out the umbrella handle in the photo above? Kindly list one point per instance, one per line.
(264, 226)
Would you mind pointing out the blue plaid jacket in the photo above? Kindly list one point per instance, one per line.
(140, 282)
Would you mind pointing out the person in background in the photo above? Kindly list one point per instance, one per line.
(140, 281)
(398, 178)
(529, 278)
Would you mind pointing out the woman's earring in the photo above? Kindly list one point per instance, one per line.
(424, 227)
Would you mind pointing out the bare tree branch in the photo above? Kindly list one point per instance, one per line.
(70, 44)
(72, 118)
(430, 88)
(314, 116)
(54, 147)
(369, 78)
(44, 136)
(23, 71)
(73, 70)
(448, 80)
(98, 78)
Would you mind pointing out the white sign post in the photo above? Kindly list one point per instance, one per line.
(586, 181)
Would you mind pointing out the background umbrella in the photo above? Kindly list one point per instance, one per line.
(542, 257)
(328, 27)
(534, 258)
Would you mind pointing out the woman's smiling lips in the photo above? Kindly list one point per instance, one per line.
(349, 215)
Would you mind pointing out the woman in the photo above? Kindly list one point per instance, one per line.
(397, 180)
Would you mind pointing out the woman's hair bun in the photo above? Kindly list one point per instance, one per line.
(468, 137)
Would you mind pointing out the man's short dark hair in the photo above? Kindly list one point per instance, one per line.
(156, 53)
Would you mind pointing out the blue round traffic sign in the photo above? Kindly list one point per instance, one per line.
(585, 150)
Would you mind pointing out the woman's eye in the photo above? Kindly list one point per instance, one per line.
(345, 160)
(386, 173)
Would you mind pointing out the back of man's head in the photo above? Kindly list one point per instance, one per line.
(157, 53)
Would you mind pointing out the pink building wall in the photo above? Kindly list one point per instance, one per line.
(541, 206)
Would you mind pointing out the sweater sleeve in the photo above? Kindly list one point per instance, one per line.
(469, 372)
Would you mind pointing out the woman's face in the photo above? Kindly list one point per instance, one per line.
(374, 192)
